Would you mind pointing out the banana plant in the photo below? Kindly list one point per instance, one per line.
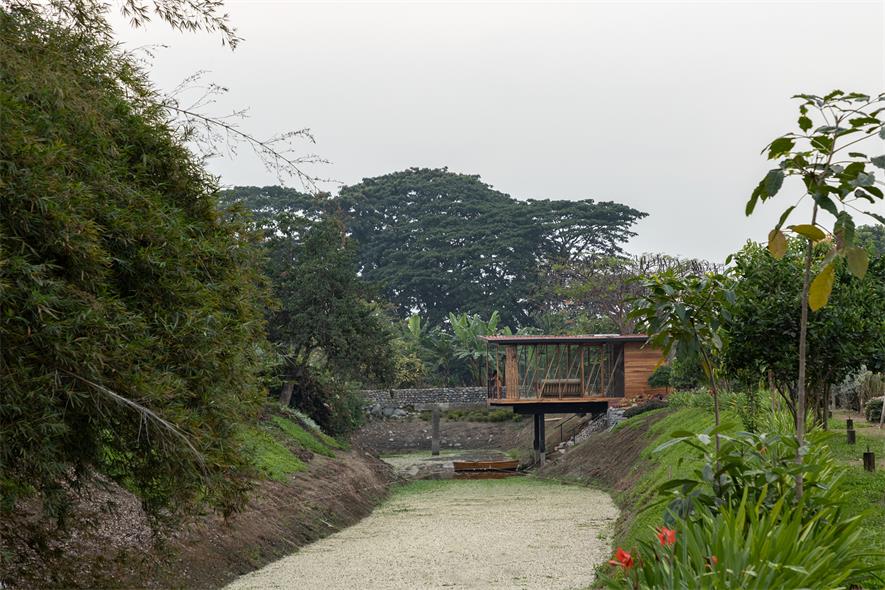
(467, 330)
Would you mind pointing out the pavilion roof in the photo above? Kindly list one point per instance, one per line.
(576, 339)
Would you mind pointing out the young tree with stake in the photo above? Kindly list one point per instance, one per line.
(836, 180)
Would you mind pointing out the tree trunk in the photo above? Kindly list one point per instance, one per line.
(286, 392)
(800, 385)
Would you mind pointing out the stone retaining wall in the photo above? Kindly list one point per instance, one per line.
(425, 399)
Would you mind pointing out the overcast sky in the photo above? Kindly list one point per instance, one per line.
(663, 106)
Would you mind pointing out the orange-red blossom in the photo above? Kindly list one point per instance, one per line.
(666, 536)
(623, 559)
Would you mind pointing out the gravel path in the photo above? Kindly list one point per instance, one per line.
(511, 533)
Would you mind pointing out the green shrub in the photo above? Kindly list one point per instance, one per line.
(660, 377)
(760, 466)
(333, 404)
(648, 406)
(686, 374)
(873, 410)
(129, 305)
(692, 398)
(747, 405)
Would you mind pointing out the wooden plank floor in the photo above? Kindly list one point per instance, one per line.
(549, 400)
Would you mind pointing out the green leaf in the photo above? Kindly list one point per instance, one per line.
(844, 228)
(804, 123)
(826, 203)
(784, 215)
(822, 143)
(875, 190)
(860, 121)
(858, 261)
(813, 233)
(878, 161)
(777, 243)
(773, 181)
(754, 198)
(779, 147)
(875, 216)
(821, 287)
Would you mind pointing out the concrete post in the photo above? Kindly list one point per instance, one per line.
(434, 440)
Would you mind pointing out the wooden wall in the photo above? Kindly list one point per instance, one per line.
(639, 363)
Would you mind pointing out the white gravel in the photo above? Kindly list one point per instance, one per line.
(512, 533)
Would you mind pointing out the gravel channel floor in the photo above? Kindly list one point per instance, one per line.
(510, 533)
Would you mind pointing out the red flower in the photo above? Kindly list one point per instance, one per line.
(711, 561)
(623, 559)
(666, 536)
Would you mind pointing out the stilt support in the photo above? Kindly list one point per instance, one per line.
(542, 444)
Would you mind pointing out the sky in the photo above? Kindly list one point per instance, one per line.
(663, 106)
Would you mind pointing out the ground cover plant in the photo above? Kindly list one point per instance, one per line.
(676, 475)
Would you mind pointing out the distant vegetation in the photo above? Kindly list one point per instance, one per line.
(435, 242)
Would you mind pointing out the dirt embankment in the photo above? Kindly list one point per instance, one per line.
(114, 547)
(396, 435)
(608, 459)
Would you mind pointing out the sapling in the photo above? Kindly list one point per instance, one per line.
(836, 181)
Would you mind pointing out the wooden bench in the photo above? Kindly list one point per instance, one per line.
(559, 388)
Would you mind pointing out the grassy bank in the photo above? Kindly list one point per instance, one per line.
(643, 512)
(279, 444)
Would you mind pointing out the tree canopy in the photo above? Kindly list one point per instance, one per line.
(871, 237)
(605, 287)
(437, 242)
(842, 336)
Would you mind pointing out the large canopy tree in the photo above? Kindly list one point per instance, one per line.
(440, 242)
(132, 325)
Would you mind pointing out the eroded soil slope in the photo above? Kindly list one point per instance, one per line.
(113, 546)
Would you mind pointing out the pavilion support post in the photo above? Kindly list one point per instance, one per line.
(542, 444)
(536, 446)
(434, 440)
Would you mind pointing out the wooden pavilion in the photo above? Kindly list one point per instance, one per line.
(567, 374)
